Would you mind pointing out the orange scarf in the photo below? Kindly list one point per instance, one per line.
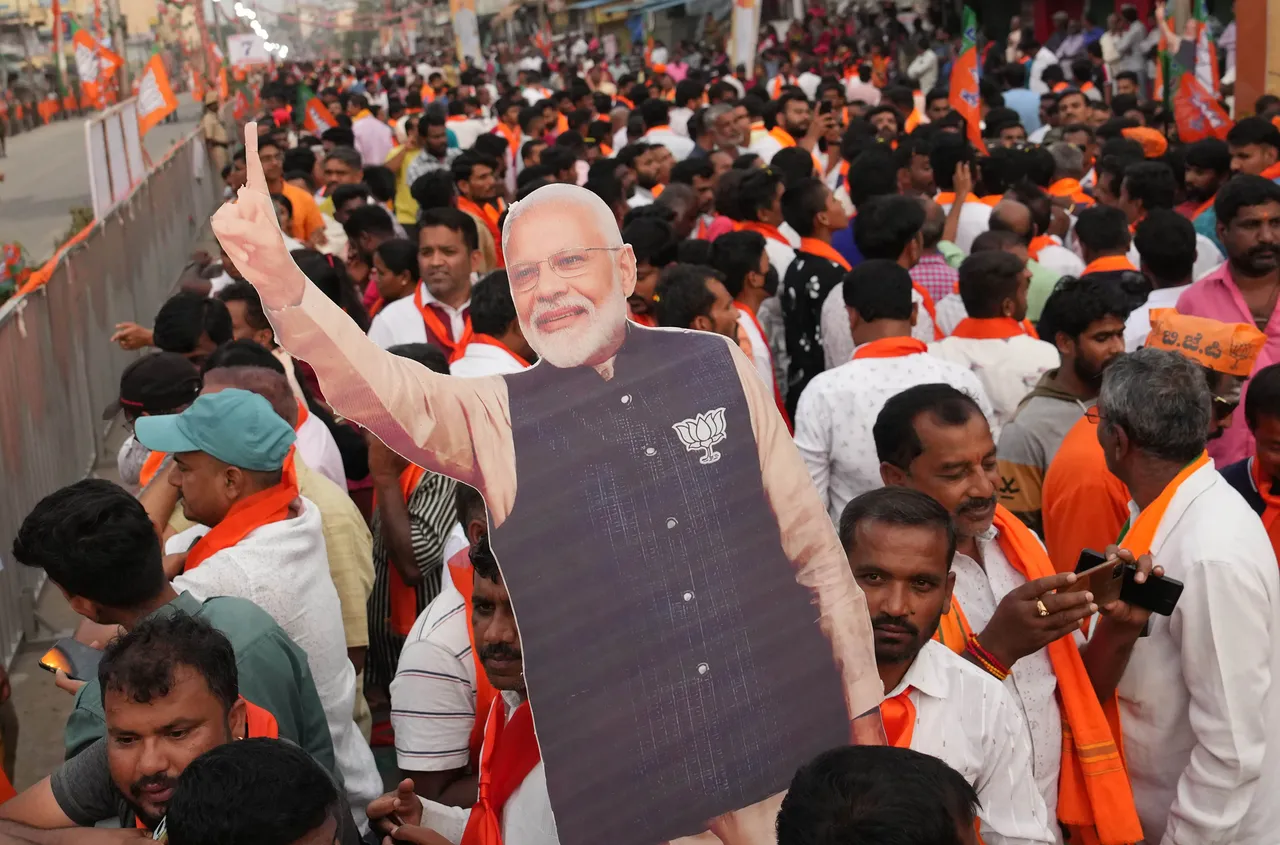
(929, 307)
(1266, 489)
(991, 200)
(1038, 243)
(1138, 534)
(1272, 172)
(436, 327)
(765, 229)
(403, 598)
(490, 340)
(510, 752)
(1204, 206)
(777, 394)
(782, 136)
(899, 717)
(1093, 788)
(822, 249)
(643, 319)
(247, 515)
(993, 328)
(949, 197)
(1109, 264)
(890, 347)
(512, 136)
(150, 467)
(489, 221)
(361, 115)
(463, 577)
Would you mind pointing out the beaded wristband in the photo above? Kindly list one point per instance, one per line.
(985, 659)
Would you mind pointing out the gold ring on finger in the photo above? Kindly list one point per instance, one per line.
(1041, 609)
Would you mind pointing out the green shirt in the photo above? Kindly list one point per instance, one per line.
(1043, 280)
(272, 670)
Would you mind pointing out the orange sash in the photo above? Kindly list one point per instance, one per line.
(462, 575)
(899, 717)
(890, 347)
(436, 327)
(782, 136)
(643, 319)
(765, 229)
(1093, 787)
(822, 249)
(1038, 243)
(248, 514)
(949, 197)
(1272, 172)
(150, 467)
(929, 307)
(489, 221)
(1138, 534)
(490, 340)
(510, 752)
(991, 200)
(1271, 515)
(1204, 206)
(777, 394)
(513, 138)
(1109, 264)
(992, 328)
(404, 598)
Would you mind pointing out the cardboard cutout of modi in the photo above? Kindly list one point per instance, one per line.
(691, 631)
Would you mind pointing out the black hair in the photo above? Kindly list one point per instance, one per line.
(897, 441)
(468, 503)
(241, 291)
(434, 190)
(878, 289)
(1037, 201)
(94, 540)
(381, 182)
(746, 161)
(494, 147)
(1077, 303)
(695, 251)
(880, 794)
(527, 148)
(803, 201)
(794, 163)
(887, 225)
(492, 308)
(242, 353)
(652, 240)
(684, 172)
(1102, 228)
(452, 218)
(1243, 191)
(938, 93)
(187, 316)
(948, 151)
(655, 111)
(540, 173)
(899, 506)
(607, 188)
(757, 190)
(339, 136)
(1209, 154)
(1263, 397)
(558, 159)
(400, 255)
(528, 115)
(465, 163)
(1265, 102)
(329, 274)
(1166, 242)
(688, 89)
(683, 295)
(734, 255)
(348, 156)
(987, 279)
(628, 154)
(1015, 75)
(873, 174)
(369, 220)
(1254, 130)
(1152, 183)
(427, 354)
(141, 664)
(219, 797)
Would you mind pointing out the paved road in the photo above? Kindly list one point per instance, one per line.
(47, 174)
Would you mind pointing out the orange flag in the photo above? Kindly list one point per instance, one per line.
(197, 86)
(241, 107)
(94, 63)
(1197, 113)
(155, 96)
(964, 81)
(318, 118)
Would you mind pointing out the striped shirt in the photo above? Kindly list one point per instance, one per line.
(433, 698)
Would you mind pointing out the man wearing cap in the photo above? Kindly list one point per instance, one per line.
(163, 383)
(214, 133)
(233, 464)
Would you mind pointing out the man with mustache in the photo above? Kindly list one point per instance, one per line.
(1085, 319)
(1010, 611)
(1246, 288)
(725, 544)
(900, 543)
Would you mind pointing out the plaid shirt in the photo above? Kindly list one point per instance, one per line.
(935, 275)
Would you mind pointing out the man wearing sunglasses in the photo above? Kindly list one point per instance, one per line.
(657, 490)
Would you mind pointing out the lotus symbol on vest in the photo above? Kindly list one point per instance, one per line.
(703, 432)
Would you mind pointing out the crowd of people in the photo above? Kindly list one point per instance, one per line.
(996, 363)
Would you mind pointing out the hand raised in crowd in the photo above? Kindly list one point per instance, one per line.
(1121, 612)
(1034, 615)
(819, 126)
(963, 180)
(395, 809)
(250, 234)
(131, 336)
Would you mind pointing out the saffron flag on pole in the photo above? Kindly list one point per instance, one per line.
(155, 95)
(965, 98)
(94, 63)
(316, 117)
(1198, 113)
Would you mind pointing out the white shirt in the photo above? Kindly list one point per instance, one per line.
(764, 145)
(467, 131)
(641, 197)
(282, 567)
(759, 347)
(839, 406)
(950, 311)
(924, 70)
(678, 117)
(1032, 682)
(856, 89)
(320, 451)
(526, 817)
(679, 145)
(1037, 137)
(1138, 326)
(1009, 368)
(1199, 703)
(1060, 260)
(1044, 58)
(969, 721)
(484, 359)
(218, 282)
(401, 322)
(780, 255)
(809, 82)
(837, 337)
(1208, 257)
(433, 695)
(975, 218)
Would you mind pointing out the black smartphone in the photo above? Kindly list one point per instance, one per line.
(826, 107)
(1158, 594)
(77, 660)
(1098, 575)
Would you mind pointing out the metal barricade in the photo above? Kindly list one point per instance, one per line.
(58, 367)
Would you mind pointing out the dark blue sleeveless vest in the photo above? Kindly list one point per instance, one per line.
(675, 668)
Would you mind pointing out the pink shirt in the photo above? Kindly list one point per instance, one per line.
(1216, 296)
(374, 139)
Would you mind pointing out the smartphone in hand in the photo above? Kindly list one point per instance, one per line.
(78, 661)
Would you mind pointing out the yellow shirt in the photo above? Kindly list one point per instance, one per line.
(406, 207)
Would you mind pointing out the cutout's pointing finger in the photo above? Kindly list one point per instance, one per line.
(257, 181)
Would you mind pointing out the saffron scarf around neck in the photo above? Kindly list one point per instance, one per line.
(510, 752)
(992, 328)
(1093, 787)
(437, 327)
(1266, 489)
(822, 249)
(1138, 534)
(1109, 264)
(490, 340)
(890, 347)
(488, 221)
(765, 229)
(250, 513)
(463, 578)
(403, 598)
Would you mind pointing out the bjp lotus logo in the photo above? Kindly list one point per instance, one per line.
(703, 432)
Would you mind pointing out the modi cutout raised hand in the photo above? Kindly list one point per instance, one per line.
(691, 631)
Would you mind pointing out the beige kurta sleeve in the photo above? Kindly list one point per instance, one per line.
(810, 543)
(459, 427)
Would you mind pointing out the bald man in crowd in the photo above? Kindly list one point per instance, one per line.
(614, 418)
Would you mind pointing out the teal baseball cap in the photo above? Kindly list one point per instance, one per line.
(235, 426)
